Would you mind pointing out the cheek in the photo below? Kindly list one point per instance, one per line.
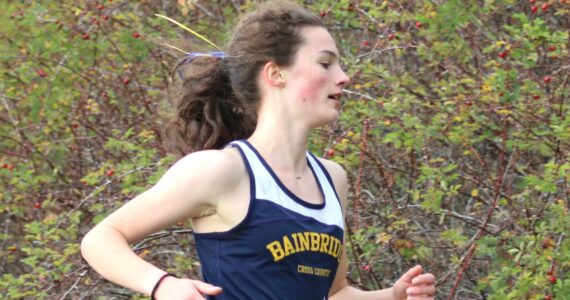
(311, 89)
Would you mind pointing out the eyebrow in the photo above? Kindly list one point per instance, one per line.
(329, 52)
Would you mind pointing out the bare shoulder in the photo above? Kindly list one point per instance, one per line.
(222, 167)
(334, 169)
(339, 178)
(202, 178)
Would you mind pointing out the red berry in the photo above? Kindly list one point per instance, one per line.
(536, 97)
(350, 7)
(330, 153)
(391, 36)
(549, 272)
(532, 1)
(503, 54)
(85, 36)
(533, 9)
(4, 165)
(468, 102)
(547, 79)
(100, 7)
(110, 173)
(544, 7)
(126, 81)
(322, 14)
(366, 268)
(37, 205)
(136, 35)
(41, 72)
(501, 94)
(74, 125)
(365, 43)
(548, 297)
(19, 13)
(551, 48)
(419, 24)
(105, 17)
(552, 279)
(10, 167)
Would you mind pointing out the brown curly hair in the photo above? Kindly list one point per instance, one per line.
(219, 98)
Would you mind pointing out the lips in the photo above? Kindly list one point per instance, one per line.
(335, 96)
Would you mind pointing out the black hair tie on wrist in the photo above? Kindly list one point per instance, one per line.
(158, 283)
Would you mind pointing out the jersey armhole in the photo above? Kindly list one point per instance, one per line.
(328, 176)
(229, 232)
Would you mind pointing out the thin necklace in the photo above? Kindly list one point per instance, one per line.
(298, 177)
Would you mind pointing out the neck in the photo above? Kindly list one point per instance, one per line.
(281, 141)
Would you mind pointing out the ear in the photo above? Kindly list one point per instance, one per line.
(272, 74)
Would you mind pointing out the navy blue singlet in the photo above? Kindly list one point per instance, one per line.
(285, 248)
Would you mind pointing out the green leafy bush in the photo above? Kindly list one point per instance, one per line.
(455, 133)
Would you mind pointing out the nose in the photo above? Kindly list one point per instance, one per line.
(343, 80)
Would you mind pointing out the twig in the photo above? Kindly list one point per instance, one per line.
(92, 287)
(359, 94)
(74, 285)
(470, 220)
(498, 183)
(159, 235)
(364, 147)
(383, 50)
(205, 10)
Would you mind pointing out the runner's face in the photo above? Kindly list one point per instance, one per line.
(316, 79)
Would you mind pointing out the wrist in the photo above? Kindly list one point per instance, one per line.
(159, 283)
(396, 295)
(148, 282)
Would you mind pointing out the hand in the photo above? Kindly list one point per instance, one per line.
(414, 285)
(185, 289)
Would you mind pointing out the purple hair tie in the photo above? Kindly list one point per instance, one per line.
(192, 55)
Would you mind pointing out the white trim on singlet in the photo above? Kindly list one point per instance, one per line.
(270, 188)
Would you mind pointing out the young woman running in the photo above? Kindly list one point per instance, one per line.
(267, 215)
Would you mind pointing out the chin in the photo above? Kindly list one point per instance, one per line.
(329, 119)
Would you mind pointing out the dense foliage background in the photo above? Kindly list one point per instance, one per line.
(455, 134)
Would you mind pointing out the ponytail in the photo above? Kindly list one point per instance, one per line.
(208, 114)
(219, 97)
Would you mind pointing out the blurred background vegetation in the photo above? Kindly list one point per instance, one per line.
(455, 135)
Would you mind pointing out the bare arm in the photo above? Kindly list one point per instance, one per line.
(412, 285)
(183, 192)
(342, 290)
